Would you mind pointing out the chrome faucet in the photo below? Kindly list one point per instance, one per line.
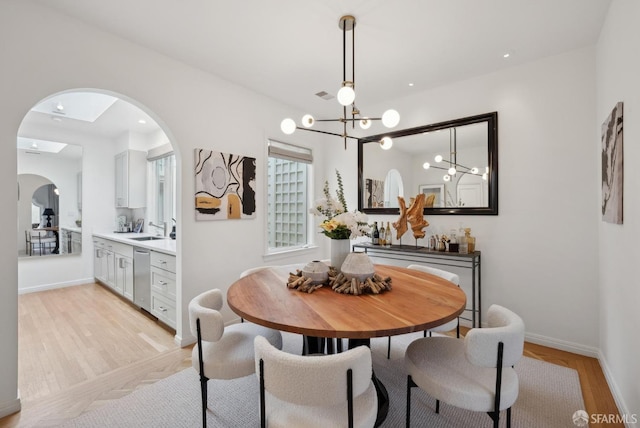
(163, 227)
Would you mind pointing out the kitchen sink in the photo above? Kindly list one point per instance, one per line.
(148, 238)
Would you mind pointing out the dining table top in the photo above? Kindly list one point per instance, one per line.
(417, 301)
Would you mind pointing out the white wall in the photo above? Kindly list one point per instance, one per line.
(618, 74)
(539, 255)
(36, 65)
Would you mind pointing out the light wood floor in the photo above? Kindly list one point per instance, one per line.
(80, 347)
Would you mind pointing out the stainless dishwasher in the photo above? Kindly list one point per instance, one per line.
(142, 278)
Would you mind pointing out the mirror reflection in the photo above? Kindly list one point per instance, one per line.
(50, 199)
(455, 163)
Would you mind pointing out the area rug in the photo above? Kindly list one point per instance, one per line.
(549, 395)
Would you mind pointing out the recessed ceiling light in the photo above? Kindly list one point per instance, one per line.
(60, 107)
(142, 121)
(410, 84)
(507, 55)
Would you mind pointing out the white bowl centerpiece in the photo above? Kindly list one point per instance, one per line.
(357, 265)
(317, 271)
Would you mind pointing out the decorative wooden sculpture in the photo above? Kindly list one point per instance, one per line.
(400, 225)
(414, 215)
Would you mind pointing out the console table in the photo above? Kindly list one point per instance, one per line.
(410, 253)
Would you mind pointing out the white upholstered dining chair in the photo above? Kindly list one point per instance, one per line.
(316, 390)
(475, 373)
(222, 352)
(453, 324)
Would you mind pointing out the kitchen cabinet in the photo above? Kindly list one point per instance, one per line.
(103, 262)
(113, 265)
(163, 287)
(124, 275)
(76, 242)
(70, 241)
(131, 179)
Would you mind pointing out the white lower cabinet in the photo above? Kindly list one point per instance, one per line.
(124, 276)
(163, 287)
(113, 266)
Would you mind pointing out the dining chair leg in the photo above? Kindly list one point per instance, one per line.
(509, 417)
(203, 392)
(437, 406)
(389, 348)
(410, 384)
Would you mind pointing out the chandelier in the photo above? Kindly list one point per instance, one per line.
(346, 97)
(454, 167)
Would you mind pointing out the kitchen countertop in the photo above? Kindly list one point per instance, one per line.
(166, 245)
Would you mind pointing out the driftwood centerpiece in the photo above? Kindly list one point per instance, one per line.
(340, 283)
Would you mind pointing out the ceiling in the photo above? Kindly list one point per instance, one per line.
(291, 49)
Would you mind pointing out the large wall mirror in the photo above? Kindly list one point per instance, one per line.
(49, 199)
(455, 161)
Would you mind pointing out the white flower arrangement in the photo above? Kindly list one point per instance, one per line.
(339, 223)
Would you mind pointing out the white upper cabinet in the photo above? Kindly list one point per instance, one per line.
(131, 179)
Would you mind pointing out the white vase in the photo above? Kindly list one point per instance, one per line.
(357, 265)
(317, 271)
(339, 250)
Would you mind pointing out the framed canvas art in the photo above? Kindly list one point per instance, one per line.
(612, 166)
(225, 186)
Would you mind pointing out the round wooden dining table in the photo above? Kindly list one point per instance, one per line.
(417, 301)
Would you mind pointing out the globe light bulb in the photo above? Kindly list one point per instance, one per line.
(346, 95)
(426, 165)
(452, 171)
(474, 170)
(446, 177)
(390, 118)
(308, 121)
(365, 123)
(484, 176)
(288, 126)
(386, 143)
(438, 158)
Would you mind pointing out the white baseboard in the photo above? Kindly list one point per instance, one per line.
(184, 341)
(562, 345)
(55, 285)
(10, 407)
(615, 391)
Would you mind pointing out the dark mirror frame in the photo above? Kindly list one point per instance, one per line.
(492, 147)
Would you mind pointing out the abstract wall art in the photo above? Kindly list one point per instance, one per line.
(612, 166)
(225, 186)
(375, 193)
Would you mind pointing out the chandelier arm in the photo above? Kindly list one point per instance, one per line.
(456, 164)
(438, 167)
(353, 75)
(355, 119)
(344, 51)
(326, 132)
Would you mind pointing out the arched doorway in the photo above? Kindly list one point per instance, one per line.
(102, 124)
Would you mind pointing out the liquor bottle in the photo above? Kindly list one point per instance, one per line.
(383, 236)
(375, 235)
(388, 236)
